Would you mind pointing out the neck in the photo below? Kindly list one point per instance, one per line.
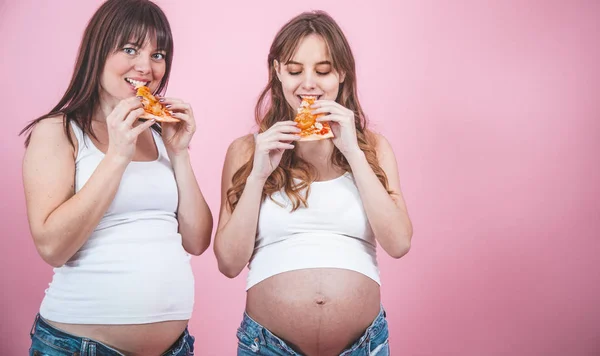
(105, 107)
(315, 152)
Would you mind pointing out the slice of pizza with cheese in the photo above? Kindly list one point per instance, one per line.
(153, 108)
(306, 121)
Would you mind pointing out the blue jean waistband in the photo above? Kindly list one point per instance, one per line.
(252, 327)
(40, 325)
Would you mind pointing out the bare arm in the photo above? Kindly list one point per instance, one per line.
(236, 233)
(387, 214)
(60, 220)
(193, 214)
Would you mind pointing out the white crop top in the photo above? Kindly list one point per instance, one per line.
(332, 232)
(133, 268)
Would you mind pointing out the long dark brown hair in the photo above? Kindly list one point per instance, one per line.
(272, 107)
(113, 25)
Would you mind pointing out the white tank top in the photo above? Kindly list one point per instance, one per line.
(133, 268)
(332, 232)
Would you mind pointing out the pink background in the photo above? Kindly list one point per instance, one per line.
(492, 110)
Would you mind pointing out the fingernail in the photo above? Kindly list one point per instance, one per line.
(162, 100)
(140, 97)
(168, 106)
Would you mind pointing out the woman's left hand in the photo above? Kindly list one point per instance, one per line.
(177, 135)
(342, 122)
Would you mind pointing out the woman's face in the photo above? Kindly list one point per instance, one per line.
(130, 66)
(309, 72)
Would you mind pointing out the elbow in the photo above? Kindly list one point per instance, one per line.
(399, 250)
(205, 239)
(48, 246)
(229, 271)
(396, 238)
(402, 245)
(195, 242)
(199, 248)
(204, 247)
(54, 263)
(197, 251)
(227, 267)
(51, 255)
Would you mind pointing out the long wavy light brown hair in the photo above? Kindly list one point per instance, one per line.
(114, 24)
(272, 107)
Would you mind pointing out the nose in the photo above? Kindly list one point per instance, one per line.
(309, 81)
(142, 64)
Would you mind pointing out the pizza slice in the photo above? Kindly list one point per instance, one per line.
(153, 108)
(306, 121)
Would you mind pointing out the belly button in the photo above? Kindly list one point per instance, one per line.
(320, 300)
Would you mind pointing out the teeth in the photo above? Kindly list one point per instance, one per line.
(135, 83)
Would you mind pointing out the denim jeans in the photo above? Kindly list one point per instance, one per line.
(255, 339)
(46, 340)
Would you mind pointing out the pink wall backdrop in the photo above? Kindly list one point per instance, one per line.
(493, 112)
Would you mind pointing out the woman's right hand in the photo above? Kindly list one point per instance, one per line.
(122, 135)
(269, 148)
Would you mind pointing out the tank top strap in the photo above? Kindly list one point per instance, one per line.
(160, 145)
(80, 136)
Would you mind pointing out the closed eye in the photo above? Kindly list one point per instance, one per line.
(318, 73)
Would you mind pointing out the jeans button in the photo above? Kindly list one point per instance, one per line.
(254, 346)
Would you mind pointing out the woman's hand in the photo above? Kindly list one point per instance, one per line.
(122, 134)
(177, 135)
(342, 122)
(269, 148)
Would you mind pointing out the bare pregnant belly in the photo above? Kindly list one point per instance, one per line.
(315, 311)
(131, 340)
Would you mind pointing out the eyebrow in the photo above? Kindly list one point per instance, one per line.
(140, 46)
(319, 63)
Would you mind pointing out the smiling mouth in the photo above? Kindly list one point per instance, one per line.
(136, 83)
(315, 97)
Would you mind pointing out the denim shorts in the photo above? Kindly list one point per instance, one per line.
(47, 340)
(255, 339)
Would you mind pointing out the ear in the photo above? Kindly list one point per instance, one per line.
(277, 69)
(342, 77)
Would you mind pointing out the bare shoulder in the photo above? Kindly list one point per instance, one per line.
(48, 171)
(240, 151)
(242, 143)
(381, 144)
(49, 151)
(50, 125)
(238, 154)
(51, 132)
